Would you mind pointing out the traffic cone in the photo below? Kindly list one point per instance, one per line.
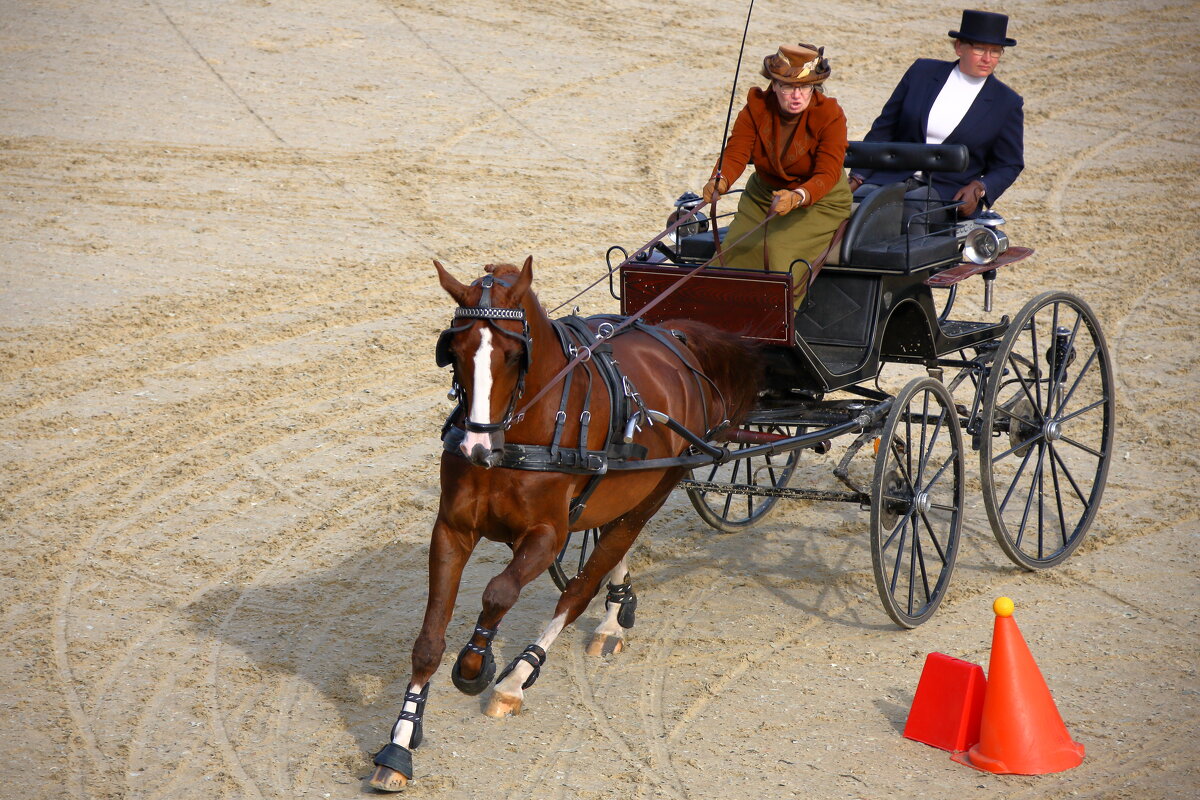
(1021, 732)
(948, 705)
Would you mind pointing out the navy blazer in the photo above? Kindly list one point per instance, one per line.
(993, 130)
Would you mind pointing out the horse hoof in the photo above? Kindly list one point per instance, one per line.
(474, 686)
(386, 779)
(603, 644)
(501, 705)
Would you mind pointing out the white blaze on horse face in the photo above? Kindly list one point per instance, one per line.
(481, 395)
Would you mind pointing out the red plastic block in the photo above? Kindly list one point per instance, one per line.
(948, 706)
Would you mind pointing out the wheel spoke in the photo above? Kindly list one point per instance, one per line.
(1020, 381)
(1101, 402)
(1083, 371)
(1060, 372)
(1037, 364)
(899, 554)
(1017, 477)
(1062, 516)
(933, 537)
(937, 476)
(1041, 520)
(927, 449)
(1017, 447)
(923, 453)
(1067, 473)
(914, 554)
(1082, 446)
(1029, 498)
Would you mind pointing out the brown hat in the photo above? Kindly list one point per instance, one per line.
(801, 64)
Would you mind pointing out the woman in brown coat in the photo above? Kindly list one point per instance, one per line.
(795, 137)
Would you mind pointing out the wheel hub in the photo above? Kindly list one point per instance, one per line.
(1052, 430)
(1019, 428)
(893, 488)
(922, 502)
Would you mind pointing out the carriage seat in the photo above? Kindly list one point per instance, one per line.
(872, 237)
(875, 236)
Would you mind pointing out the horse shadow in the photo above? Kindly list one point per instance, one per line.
(340, 636)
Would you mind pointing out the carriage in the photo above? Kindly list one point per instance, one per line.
(530, 461)
(1032, 394)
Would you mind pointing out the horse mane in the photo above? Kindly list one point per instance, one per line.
(733, 364)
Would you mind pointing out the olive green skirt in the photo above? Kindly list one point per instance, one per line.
(802, 234)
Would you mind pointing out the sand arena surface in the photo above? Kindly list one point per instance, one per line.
(220, 410)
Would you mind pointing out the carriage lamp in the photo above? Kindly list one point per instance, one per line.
(683, 206)
(984, 245)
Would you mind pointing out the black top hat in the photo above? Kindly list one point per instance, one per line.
(985, 27)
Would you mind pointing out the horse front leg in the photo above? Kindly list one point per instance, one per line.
(448, 554)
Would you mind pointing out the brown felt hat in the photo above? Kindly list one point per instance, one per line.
(804, 63)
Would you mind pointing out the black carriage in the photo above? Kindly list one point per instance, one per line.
(1035, 391)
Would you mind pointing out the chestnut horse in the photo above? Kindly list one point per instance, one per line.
(505, 350)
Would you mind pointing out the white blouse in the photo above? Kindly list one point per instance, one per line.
(951, 105)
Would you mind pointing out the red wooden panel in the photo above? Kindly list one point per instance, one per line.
(754, 305)
(966, 269)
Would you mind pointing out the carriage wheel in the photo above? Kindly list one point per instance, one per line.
(570, 560)
(916, 502)
(732, 511)
(1049, 409)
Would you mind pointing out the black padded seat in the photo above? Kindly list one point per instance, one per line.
(902, 255)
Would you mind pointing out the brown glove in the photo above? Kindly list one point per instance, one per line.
(855, 182)
(785, 200)
(714, 186)
(970, 195)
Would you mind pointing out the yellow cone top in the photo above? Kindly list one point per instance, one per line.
(1003, 607)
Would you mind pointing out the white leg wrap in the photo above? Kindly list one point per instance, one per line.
(511, 685)
(403, 729)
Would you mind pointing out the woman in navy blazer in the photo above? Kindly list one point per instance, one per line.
(992, 126)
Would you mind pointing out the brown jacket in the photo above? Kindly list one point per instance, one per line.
(813, 162)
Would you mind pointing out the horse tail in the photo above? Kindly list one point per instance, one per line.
(734, 365)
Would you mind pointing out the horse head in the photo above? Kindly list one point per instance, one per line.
(488, 346)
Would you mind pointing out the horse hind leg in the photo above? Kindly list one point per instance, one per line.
(509, 695)
(620, 606)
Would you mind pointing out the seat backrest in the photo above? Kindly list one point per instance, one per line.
(878, 217)
(907, 156)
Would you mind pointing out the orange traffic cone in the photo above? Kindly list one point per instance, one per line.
(1021, 731)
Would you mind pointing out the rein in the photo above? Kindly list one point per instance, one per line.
(585, 353)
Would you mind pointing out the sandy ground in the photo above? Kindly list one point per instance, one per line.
(220, 409)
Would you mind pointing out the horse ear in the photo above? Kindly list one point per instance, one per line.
(452, 285)
(524, 279)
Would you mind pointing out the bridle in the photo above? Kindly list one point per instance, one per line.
(486, 312)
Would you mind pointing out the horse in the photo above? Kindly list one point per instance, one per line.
(528, 477)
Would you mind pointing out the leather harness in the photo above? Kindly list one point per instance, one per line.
(627, 412)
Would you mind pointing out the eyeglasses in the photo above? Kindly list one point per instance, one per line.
(985, 50)
(803, 91)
